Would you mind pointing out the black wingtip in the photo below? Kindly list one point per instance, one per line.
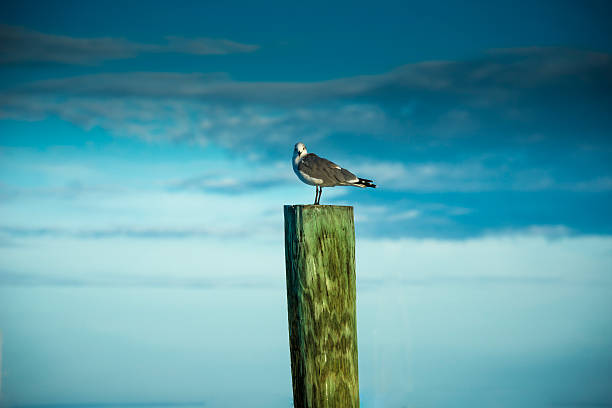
(367, 183)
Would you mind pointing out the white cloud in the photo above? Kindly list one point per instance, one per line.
(503, 259)
(473, 175)
(428, 104)
(145, 232)
(19, 44)
(236, 127)
(374, 213)
(472, 79)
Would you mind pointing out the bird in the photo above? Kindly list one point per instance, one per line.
(319, 172)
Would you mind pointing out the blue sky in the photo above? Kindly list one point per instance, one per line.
(143, 146)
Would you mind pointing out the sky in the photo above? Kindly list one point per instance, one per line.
(145, 158)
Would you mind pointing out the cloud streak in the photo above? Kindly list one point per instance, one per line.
(535, 94)
(163, 404)
(479, 174)
(124, 232)
(497, 77)
(515, 137)
(183, 282)
(20, 45)
(390, 262)
(218, 183)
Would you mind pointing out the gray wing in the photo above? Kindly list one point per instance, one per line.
(323, 169)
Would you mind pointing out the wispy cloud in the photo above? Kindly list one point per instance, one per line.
(19, 44)
(547, 231)
(483, 137)
(70, 190)
(8, 278)
(219, 183)
(125, 232)
(508, 96)
(477, 174)
(508, 259)
(152, 404)
(232, 179)
(498, 76)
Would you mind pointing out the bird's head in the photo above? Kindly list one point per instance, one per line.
(299, 150)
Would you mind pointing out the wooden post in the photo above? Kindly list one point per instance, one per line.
(321, 294)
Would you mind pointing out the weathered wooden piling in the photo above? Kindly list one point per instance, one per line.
(321, 295)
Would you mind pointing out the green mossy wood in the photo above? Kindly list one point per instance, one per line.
(321, 295)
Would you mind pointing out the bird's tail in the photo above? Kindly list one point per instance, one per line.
(365, 183)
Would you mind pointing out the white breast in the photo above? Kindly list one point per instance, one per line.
(305, 177)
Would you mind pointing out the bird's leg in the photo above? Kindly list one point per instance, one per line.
(316, 194)
(320, 192)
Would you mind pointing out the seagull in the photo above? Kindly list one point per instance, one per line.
(319, 172)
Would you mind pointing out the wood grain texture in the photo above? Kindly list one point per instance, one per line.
(321, 296)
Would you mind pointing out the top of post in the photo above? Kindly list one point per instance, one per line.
(316, 206)
(329, 212)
